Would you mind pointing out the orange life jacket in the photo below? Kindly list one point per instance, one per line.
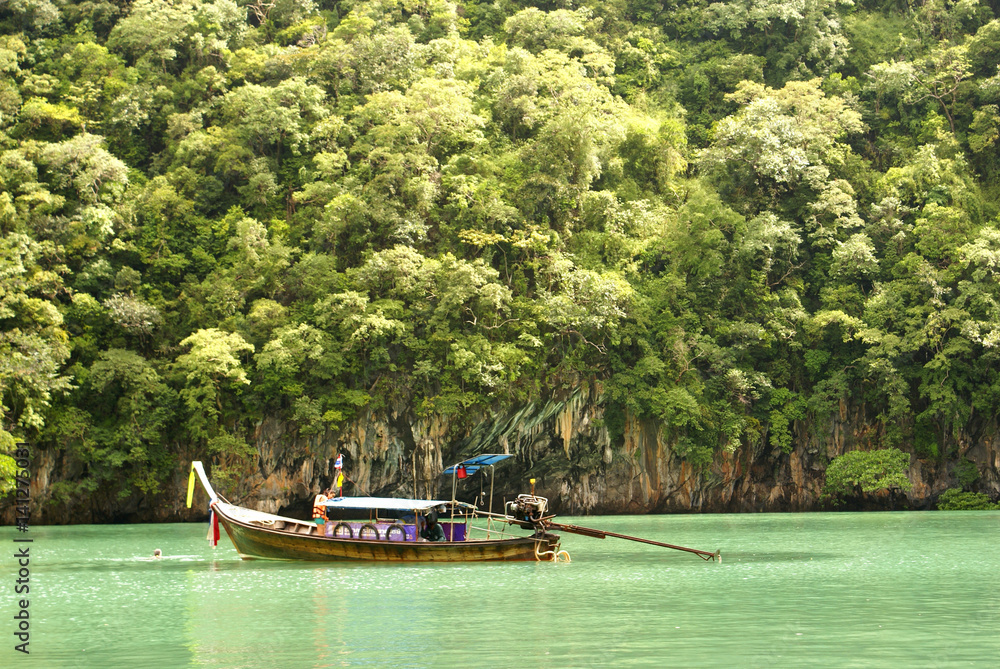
(319, 508)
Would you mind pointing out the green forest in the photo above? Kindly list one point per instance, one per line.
(731, 215)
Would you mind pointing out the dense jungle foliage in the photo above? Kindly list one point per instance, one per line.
(730, 215)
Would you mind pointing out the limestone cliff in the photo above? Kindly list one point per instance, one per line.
(564, 443)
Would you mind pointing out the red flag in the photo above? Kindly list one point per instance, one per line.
(213, 529)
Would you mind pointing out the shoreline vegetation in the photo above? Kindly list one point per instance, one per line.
(673, 256)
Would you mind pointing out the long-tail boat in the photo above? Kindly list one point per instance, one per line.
(385, 529)
(379, 529)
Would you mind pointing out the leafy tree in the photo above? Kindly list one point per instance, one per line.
(866, 472)
(130, 439)
(780, 140)
(937, 76)
(33, 346)
(211, 370)
(267, 118)
(562, 30)
(162, 32)
(33, 343)
(954, 499)
(34, 13)
(81, 163)
(798, 36)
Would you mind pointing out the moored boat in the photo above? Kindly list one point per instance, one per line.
(380, 529)
(386, 529)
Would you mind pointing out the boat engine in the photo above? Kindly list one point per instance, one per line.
(527, 508)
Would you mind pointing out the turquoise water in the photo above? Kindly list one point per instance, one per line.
(794, 590)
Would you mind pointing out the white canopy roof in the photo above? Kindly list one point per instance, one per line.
(388, 503)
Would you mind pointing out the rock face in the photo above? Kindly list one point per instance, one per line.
(563, 443)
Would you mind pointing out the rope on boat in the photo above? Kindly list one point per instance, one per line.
(561, 556)
(357, 486)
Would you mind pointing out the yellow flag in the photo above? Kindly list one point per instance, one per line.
(340, 480)
(190, 497)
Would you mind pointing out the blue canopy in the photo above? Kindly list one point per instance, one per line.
(474, 464)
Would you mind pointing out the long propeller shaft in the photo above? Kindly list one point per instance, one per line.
(546, 523)
(600, 534)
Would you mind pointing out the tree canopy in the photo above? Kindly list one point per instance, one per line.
(733, 215)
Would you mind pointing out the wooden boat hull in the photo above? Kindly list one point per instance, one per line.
(256, 542)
